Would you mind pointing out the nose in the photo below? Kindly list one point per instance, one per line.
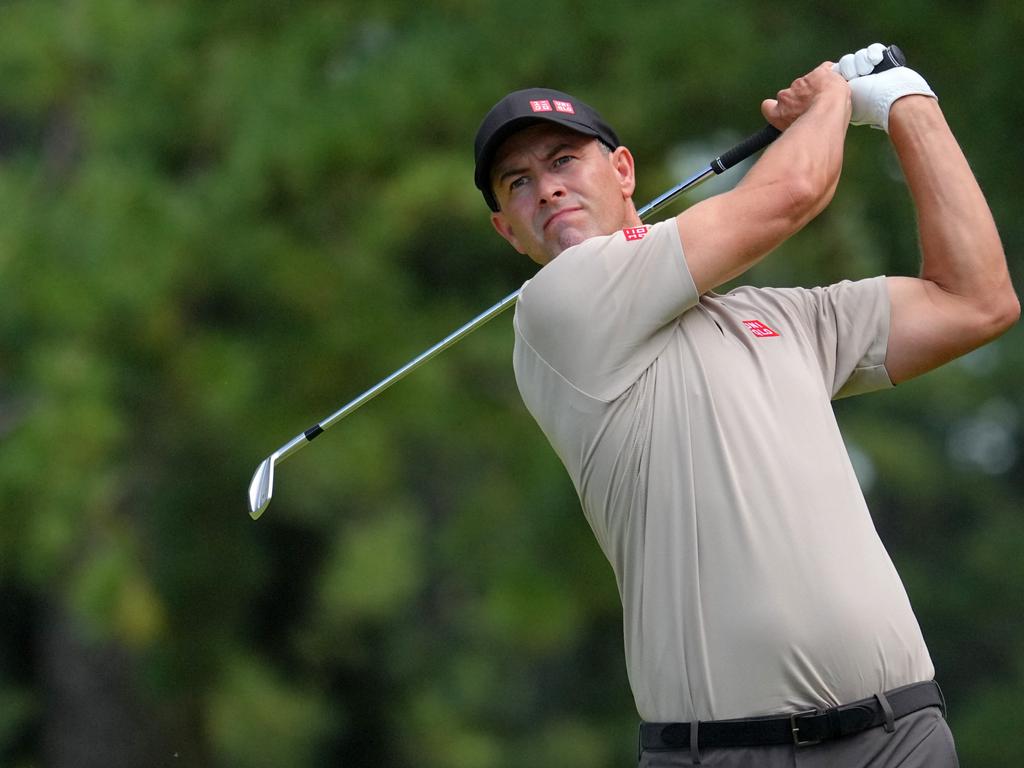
(551, 188)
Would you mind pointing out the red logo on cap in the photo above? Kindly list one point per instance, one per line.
(634, 233)
(564, 106)
(543, 105)
(759, 329)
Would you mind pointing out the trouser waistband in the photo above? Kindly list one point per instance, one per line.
(799, 728)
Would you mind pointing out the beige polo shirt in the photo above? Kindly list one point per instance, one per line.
(700, 437)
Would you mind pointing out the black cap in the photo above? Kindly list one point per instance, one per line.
(523, 108)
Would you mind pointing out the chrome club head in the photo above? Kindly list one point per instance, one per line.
(261, 488)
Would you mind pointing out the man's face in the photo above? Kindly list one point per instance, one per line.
(557, 187)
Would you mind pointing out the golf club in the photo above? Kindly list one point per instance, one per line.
(261, 488)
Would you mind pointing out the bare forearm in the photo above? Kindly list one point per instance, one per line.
(808, 157)
(795, 178)
(961, 250)
(964, 297)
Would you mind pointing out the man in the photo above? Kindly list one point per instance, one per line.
(697, 427)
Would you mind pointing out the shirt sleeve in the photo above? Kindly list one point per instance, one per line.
(601, 312)
(847, 325)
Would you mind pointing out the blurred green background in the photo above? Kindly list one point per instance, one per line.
(221, 221)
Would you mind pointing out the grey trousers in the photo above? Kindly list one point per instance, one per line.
(921, 740)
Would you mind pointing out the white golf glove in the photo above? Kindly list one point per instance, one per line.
(873, 95)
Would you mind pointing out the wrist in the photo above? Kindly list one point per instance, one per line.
(914, 115)
(835, 100)
(913, 106)
(844, 95)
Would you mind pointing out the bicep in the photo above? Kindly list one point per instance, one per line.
(930, 326)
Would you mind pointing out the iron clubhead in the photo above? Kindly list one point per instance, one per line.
(261, 488)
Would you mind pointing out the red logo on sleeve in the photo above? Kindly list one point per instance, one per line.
(759, 329)
(635, 233)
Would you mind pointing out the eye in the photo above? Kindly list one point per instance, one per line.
(517, 182)
(562, 160)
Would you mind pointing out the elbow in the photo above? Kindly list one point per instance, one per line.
(808, 197)
(1010, 311)
(1000, 314)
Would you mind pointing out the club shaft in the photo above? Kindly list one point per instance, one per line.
(261, 486)
(452, 338)
(482, 319)
(668, 196)
(749, 146)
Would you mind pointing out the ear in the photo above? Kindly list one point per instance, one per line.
(504, 228)
(622, 161)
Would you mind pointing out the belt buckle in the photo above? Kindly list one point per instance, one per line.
(796, 728)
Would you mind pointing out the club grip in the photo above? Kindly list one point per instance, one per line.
(892, 57)
(753, 143)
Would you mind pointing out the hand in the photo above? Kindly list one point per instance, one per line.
(794, 101)
(873, 95)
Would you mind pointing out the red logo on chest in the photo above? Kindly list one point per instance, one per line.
(759, 329)
(634, 233)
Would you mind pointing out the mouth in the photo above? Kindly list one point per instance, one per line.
(558, 214)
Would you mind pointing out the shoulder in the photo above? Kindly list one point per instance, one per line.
(599, 261)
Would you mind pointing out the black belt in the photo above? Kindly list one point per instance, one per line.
(800, 728)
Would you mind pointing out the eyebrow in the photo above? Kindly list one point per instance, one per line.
(561, 146)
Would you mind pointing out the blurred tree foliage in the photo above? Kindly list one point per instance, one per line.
(220, 221)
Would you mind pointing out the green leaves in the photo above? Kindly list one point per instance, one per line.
(374, 572)
(258, 718)
(218, 223)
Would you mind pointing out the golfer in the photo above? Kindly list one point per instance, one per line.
(764, 622)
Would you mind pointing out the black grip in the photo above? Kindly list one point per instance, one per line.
(753, 143)
(892, 57)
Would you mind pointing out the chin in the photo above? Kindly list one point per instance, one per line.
(570, 237)
(565, 239)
